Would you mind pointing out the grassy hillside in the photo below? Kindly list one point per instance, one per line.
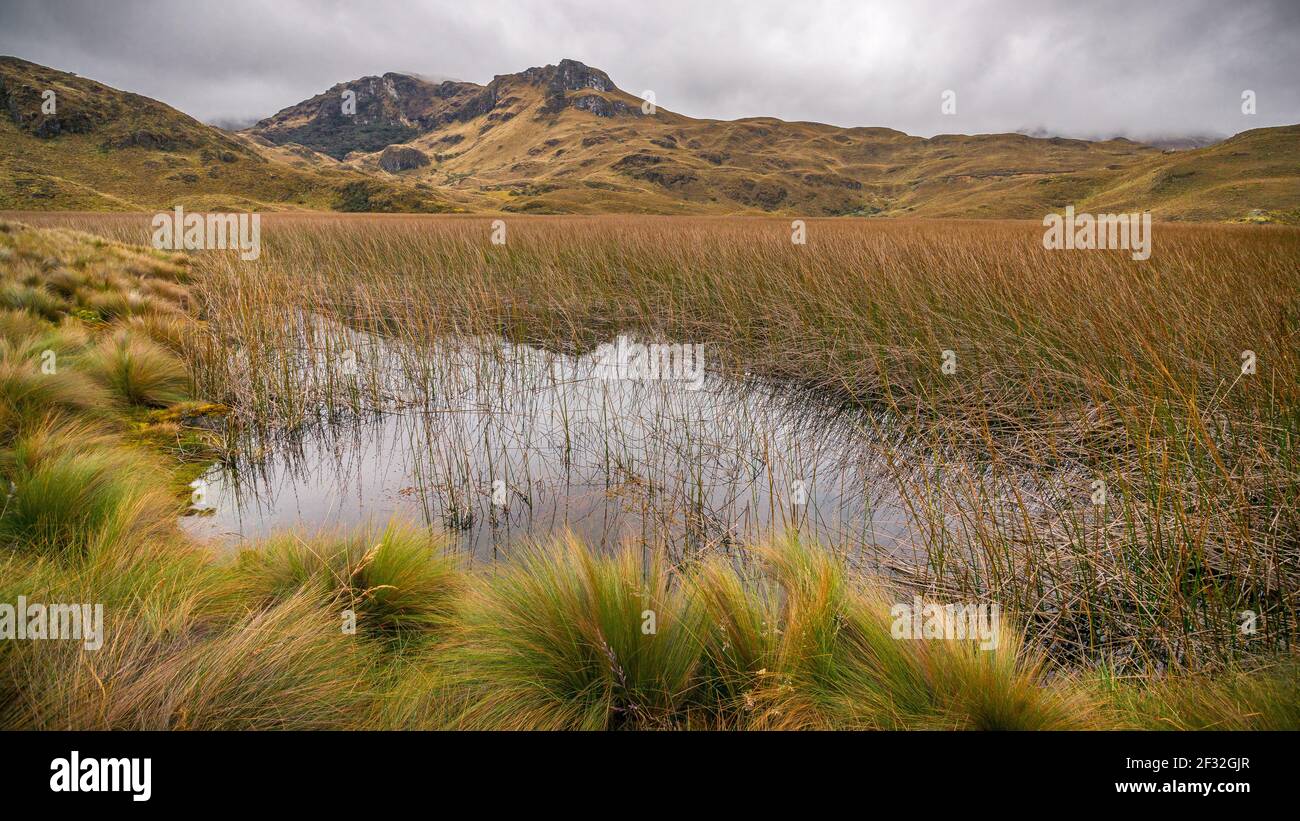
(1252, 177)
(105, 149)
(564, 139)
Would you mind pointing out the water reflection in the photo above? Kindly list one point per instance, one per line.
(496, 443)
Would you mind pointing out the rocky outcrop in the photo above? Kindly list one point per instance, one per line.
(669, 176)
(653, 168)
(568, 75)
(395, 108)
(571, 75)
(636, 161)
(601, 106)
(756, 193)
(398, 158)
(389, 109)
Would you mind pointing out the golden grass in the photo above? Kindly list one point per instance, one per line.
(1071, 366)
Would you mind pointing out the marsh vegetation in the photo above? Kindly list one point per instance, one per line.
(354, 344)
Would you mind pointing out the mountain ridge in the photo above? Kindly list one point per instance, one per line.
(564, 138)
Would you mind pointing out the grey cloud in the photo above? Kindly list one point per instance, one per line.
(1083, 69)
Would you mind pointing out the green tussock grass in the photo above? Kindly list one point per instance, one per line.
(558, 641)
(801, 646)
(397, 581)
(65, 497)
(1254, 697)
(138, 371)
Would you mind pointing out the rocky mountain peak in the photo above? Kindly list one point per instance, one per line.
(568, 75)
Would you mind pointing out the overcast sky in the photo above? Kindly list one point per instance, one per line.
(1092, 68)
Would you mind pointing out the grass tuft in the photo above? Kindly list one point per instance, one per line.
(138, 371)
(398, 581)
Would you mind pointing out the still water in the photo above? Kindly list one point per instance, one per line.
(497, 443)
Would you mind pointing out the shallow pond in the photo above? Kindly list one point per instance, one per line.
(496, 443)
